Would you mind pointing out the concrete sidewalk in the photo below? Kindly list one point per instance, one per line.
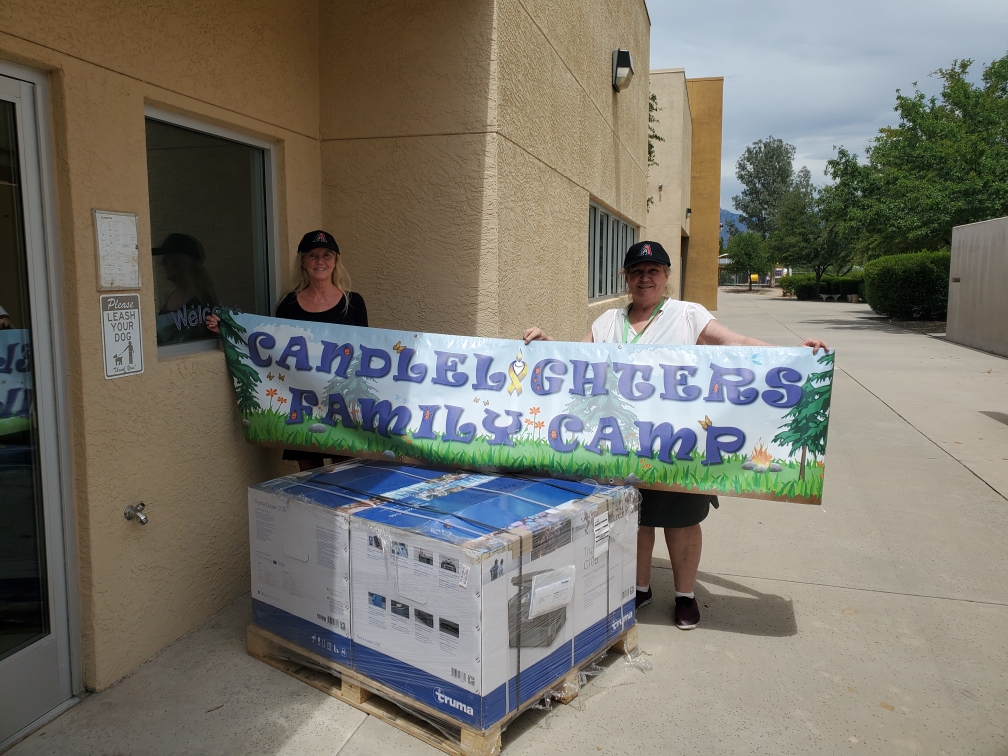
(874, 623)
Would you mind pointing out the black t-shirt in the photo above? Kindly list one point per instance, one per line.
(341, 314)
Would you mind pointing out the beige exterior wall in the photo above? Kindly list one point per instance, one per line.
(977, 306)
(566, 137)
(701, 270)
(468, 159)
(409, 156)
(667, 223)
(169, 437)
(452, 148)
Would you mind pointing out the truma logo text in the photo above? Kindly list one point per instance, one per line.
(622, 620)
(442, 697)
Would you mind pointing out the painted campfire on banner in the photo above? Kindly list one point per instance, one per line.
(614, 413)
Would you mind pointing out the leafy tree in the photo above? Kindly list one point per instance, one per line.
(245, 377)
(747, 254)
(808, 234)
(766, 173)
(943, 165)
(809, 418)
(652, 135)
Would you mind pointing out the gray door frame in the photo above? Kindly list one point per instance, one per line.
(30, 89)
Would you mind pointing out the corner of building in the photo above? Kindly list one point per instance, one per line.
(700, 280)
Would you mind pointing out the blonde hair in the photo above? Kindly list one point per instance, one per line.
(340, 278)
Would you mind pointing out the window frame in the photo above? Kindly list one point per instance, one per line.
(607, 232)
(273, 273)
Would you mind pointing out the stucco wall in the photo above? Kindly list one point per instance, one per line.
(701, 276)
(409, 155)
(566, 136)
(667, 222)
(978, 280)
(169, 437)
(465, 152)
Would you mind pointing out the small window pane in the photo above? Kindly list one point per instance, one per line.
(609, 239)
(614, 251)
(208, 229)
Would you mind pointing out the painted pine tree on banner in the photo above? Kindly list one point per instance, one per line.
(353, 388)
(809, 418)
(246, 378)
(591, 409)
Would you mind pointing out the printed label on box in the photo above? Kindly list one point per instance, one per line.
(602, 534)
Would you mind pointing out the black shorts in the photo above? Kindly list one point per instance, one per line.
(297, 455)
(673, 509)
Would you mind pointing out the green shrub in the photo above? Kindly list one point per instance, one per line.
(788, 283)
(909, 286)
(843, 285)
(803, 285)
(805, 290)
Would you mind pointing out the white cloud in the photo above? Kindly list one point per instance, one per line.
(818, 74)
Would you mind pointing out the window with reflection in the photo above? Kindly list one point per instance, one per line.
(208, 229)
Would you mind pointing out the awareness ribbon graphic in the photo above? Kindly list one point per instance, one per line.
(516, 371)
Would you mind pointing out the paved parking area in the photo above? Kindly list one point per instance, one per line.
(872, 624)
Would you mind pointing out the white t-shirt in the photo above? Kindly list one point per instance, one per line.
(677, 322)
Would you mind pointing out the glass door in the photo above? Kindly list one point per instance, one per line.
(34, 638)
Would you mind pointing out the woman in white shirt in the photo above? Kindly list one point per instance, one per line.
(654, 318)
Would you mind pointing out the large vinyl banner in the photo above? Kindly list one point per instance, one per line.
(739, 421)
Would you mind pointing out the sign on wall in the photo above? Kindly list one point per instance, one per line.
(16, 387)
(121, 342)
(118, 251)
(739, 421)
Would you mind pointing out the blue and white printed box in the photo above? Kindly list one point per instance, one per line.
(300, 556)
(463, 585)
(605, 542)
(466, 592)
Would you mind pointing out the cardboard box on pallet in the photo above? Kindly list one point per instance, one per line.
(605, 541)
(463, 588)
(299, 533)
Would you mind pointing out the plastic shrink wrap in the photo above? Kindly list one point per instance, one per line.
(469, 593)
(300, 556)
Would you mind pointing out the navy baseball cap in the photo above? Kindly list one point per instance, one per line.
(315, 239)
(646, 251)
(181, 244)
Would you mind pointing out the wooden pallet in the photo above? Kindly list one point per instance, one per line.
(391, 707)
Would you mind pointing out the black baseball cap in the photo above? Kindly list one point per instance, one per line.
(646, 251)
(315, 239)
(181, 244)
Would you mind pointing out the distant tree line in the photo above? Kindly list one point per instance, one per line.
(943, 165)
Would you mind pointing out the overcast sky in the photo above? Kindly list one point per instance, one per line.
(819, 74)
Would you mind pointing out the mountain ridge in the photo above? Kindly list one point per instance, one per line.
(726, 216)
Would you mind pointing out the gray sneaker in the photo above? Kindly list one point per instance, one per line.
(687, 613)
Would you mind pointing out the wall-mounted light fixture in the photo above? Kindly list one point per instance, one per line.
(622, 69)
(689, 212)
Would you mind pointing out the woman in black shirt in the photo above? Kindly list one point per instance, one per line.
(322, 295)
